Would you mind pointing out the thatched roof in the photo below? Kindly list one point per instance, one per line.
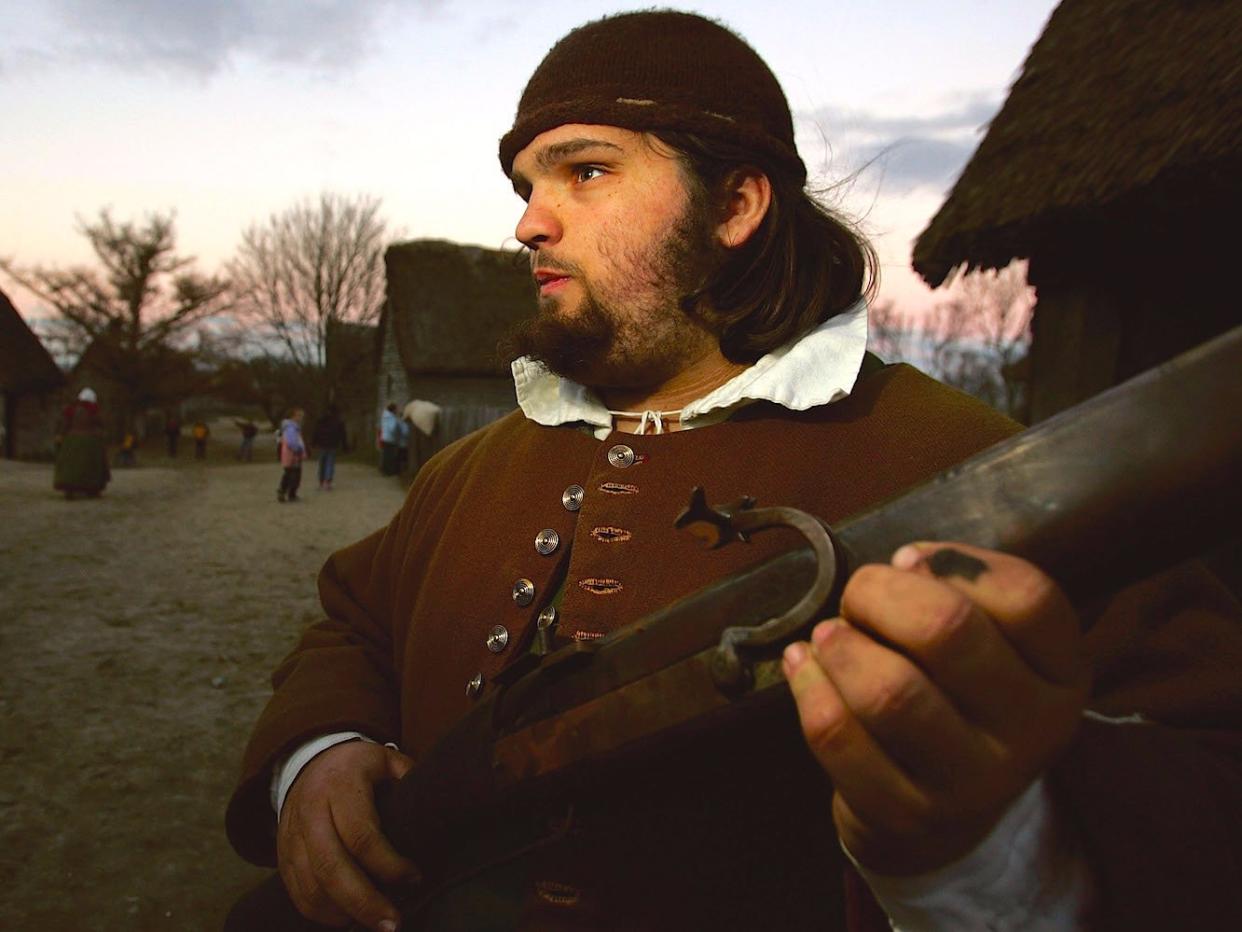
(450, 305)
(1123, 108)
(348, 343)
(25, 365)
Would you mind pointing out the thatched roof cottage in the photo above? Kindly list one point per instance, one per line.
(448, 305)
(1115, 165)
(31, 382)
(352, 353)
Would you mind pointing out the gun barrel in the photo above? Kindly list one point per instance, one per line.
(1132, 480)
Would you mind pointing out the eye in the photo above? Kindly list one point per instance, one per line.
(584, 173)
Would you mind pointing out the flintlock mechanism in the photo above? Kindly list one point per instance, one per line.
(716, 527)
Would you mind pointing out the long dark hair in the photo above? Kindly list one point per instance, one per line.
(802, 266)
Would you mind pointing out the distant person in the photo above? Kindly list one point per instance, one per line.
(389, 431)
(200, 432)
(172, 433)
(292, 453)
(403, 445)
(129, 443)
(249, 430)
(424, 416)
(81, 462)
(328, 438)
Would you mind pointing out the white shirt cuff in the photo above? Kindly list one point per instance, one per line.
(1027, 874)
(285, 772)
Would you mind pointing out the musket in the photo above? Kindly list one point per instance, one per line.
(1133, 480)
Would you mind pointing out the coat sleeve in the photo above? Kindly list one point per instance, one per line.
(1153, 780)
(340, 677)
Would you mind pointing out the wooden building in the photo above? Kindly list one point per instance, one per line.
(32, 384)
(448, 306)
(351, 354)
(1115, 166)
(97, 369)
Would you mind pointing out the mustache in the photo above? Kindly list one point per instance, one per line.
(545, 260)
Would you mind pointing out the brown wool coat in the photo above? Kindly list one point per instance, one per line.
(410, 607)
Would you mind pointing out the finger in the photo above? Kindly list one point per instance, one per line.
(876, 787)
(938, 627)
(291, 863)
(342, 880)
(359, 831)
(1028, 607)
(308, 897)
(398, 764)
(900, 707)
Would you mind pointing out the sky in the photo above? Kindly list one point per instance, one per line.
(228, 111)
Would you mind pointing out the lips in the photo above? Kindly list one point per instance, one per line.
(549, 281)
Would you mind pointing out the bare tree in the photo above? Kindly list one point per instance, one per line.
(974, 339)
(309, 268)
(990, 312)
(269, 383)
(892, 335)
(931, 340)
(135, 316)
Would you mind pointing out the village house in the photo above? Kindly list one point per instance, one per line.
(32, 384)
(448, 306)
(138, 397)
(351, 355)
(1115, 166)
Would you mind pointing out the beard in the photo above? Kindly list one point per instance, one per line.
(638, 327)
(570, 346)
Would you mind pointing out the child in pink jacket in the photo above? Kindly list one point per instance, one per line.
(292, 452)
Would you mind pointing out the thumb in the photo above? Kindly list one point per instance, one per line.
(398, 764)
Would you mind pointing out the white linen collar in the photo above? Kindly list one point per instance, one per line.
(815, 369)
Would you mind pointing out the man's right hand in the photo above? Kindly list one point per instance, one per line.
(329, 844)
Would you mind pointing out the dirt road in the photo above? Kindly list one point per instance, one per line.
(137, 632)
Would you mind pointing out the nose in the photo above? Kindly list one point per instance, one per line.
(540, 223)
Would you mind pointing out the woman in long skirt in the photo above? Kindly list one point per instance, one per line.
(81, 459)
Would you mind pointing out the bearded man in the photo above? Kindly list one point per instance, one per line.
(701, 321)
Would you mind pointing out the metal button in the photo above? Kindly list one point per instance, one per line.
(547, 540)
(621, 456)
(571, 498)
(497, 638)
(475, 686)
(547, 618)
(523, 592)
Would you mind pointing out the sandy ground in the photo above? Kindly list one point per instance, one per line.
(137, 632)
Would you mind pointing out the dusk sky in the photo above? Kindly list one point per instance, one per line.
(227, 111)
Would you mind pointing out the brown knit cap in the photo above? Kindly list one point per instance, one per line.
(658, 70)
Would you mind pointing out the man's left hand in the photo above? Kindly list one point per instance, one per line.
(951, 681)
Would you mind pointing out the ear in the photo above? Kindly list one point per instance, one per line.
(747, 197)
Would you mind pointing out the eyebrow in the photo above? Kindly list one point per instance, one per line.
(550, 156)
